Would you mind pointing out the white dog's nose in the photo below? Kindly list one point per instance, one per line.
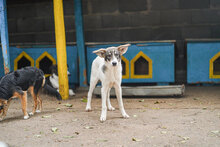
(114, 63)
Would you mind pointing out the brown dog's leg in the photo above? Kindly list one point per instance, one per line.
(24, 104)
(39, 104)
(5, 109)
(31, 89)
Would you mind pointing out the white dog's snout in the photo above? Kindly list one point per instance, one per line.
(114, 63)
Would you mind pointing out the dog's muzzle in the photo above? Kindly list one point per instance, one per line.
(114, 63)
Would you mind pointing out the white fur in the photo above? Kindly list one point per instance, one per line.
(31, 113)
(38, 111)
(26, 117)
(54, 79)
(110, 78)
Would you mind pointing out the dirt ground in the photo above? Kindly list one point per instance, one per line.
(193, 120)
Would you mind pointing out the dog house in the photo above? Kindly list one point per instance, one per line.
(22, 60)
(141, 66)
(145, 62)
(203, 61)
(42, 57)
(44, 61)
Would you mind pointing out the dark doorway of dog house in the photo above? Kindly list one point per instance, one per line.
(45, 65)
(141, 67)
(216, 66)
(23, 62)
(123, 67)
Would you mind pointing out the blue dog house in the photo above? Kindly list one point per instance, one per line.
(145, 62)
(42, 57)
(203, 61)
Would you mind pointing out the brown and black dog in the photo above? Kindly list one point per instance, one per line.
(16, 84)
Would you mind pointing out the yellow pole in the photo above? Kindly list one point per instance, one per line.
(61, 48)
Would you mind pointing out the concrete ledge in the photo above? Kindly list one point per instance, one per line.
(173, 90)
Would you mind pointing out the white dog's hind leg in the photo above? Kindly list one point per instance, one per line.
(104, 91)
(89, 97)
(110, 108)
(120, 102)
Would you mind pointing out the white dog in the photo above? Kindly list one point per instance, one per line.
(107, 68)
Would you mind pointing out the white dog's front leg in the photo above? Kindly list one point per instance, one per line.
(110, 108)
(104, 92)
(120, 102)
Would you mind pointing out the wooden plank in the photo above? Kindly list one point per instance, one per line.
(61, 48)
(80, 43)
(4, 35)
(94, 43)
(132, 42)
(203, 40)
(174, 90)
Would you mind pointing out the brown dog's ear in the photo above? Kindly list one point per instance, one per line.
(101, 52)
(123, 48)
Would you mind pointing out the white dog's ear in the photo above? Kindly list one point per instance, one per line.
(101, 52)
(123, 48)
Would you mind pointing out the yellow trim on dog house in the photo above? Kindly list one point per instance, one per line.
(149, 75)
(126, 76)
(211, 67)
(45, 54)
(23, 54)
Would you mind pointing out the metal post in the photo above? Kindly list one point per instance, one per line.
(61, 48)
(80, 42)
(4, 35)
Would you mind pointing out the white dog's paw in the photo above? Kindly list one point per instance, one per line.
(125, 115)
(26, 117)
(31, 113)
(71, 93)
(38, 111)
(88, 108)
(102, 118)
(1, 118)
(111, 108)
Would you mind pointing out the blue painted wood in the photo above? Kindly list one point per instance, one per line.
(4, 35)
(1, 65)
(161, 54)
(36, 51)
(80, 42)
(162, 83)
(198, 56)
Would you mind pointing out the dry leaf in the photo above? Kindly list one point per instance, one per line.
(215, 132)
(46, 116)
(84, 100)
(135, 139)
(54, 129)
(102, 140)
(68, 105)
(77, 133)
(38, 136)
(68, 137)
(88, 127)
(134, 115)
